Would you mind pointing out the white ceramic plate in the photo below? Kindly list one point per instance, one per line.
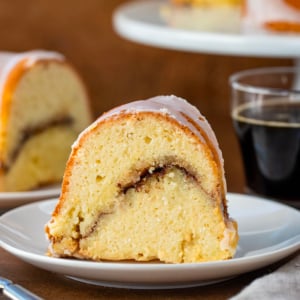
(268, 232)
(13, 199)
(141, 21)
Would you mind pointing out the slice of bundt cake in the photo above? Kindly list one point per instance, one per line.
(43, 107)
(145, 182)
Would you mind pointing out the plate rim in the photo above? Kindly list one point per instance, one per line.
(43, 261)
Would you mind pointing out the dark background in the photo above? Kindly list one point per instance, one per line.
(117, 71)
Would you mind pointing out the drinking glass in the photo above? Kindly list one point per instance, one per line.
(265, 110)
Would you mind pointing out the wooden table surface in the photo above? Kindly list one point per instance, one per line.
(52, 286)
(49, 285)
(118, 71)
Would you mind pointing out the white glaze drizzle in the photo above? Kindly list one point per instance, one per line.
(8, 60)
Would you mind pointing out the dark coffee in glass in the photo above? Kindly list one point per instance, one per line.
(266, 118)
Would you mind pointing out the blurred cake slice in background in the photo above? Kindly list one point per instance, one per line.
(43, 107)
(203, 15)
(278, 16)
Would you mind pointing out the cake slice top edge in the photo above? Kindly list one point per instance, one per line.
(9, 60)
(177, 108)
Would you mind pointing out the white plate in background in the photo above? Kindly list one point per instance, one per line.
(10, 200)
(141, 21)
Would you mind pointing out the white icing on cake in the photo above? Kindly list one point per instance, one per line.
(226, 241)
(8, 60)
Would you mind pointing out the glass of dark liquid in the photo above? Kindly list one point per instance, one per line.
(266, 117)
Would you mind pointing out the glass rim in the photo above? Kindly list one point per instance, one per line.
(235, 83)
